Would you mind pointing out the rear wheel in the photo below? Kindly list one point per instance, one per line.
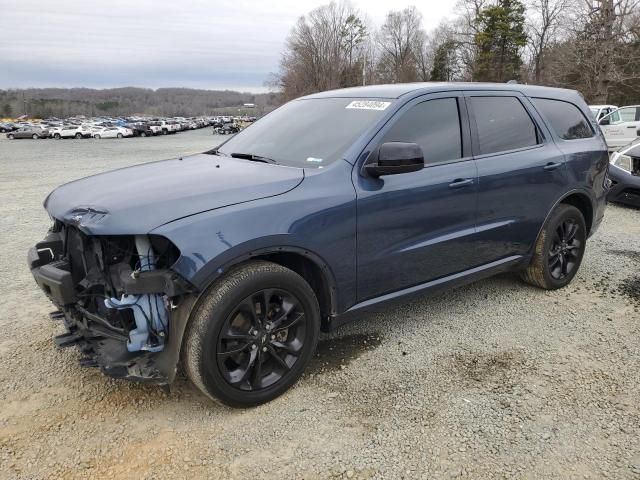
(97, 135)
(559, 249)
(143, 134)
(57, 136)
(11, 136)
(34, 136)
(253, 335)
(119, 135)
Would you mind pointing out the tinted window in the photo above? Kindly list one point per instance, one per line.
(565, 118)
(434, 125)
(503, 124)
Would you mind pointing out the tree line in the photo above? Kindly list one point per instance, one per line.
(66, 102)
(592, 46)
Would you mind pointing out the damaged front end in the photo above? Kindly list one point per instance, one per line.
(118, 298)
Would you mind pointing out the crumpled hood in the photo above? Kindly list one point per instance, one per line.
(135, 200)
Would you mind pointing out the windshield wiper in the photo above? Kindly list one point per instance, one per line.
(254, 158)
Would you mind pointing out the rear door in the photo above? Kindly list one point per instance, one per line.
(419, 226)
(521, 173)
(621, 127)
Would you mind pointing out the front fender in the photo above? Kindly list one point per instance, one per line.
(318, 217)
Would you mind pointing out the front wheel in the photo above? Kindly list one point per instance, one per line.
(143, 134)
(57, 136)
(11, 136)
(34, 136)
(119, 135)
(97, 136)
(78, 136)
(559, 249)
(252, 335)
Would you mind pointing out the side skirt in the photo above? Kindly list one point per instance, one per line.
(434, 286)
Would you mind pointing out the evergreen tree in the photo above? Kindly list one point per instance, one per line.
(500, 39)
(444, 62)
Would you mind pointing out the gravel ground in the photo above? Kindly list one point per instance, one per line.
(493, 380)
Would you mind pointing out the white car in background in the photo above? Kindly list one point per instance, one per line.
(599, 111)
(621, 127)
(73, 131)
(113, 132)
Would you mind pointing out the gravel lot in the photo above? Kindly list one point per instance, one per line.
(493, 380)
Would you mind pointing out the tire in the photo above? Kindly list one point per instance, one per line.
(119, 135)
(57, 136)
(11, 136)
(213, 362)
(34, 136)
(97, 136)
(165, 132)
(78, 136)
(559, 249)
(143, 134)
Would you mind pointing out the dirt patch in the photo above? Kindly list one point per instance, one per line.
(632, 254)
(337, 353)
(631, 288)
(482, 367)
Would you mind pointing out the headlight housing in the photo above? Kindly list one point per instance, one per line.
(622, 161)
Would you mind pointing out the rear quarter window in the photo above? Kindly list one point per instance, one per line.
(564, 118)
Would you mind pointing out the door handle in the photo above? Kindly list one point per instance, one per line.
(461, 182)
(631, 126)
(552, 166)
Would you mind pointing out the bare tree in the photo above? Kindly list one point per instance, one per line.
(603, 48)
(544, 23)
(465, 29)
(322, 51)
(397, 40)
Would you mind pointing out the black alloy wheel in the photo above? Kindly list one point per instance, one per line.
(261, 340)
(252, 334)
(559, 249)
(564, 254)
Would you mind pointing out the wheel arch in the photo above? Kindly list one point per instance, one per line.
(577, 198)
(309, 265)
(582, 202)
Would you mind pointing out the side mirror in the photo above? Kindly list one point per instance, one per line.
(394, 158)
(605, 121)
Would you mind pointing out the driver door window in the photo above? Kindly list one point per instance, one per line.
(435, 126)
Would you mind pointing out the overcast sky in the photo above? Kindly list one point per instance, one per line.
(211, 44)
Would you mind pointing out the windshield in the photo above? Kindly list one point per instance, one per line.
(307, 133)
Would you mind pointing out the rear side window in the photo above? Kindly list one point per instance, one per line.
(565, 118)
(503, 124)
(434, 125)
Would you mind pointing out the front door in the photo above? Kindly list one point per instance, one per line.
(419, 226)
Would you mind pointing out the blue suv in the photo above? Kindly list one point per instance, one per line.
(230, 262)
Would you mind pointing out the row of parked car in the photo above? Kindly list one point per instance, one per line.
(620, 125)
(108, 127)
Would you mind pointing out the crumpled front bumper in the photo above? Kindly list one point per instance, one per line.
(101, 344)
